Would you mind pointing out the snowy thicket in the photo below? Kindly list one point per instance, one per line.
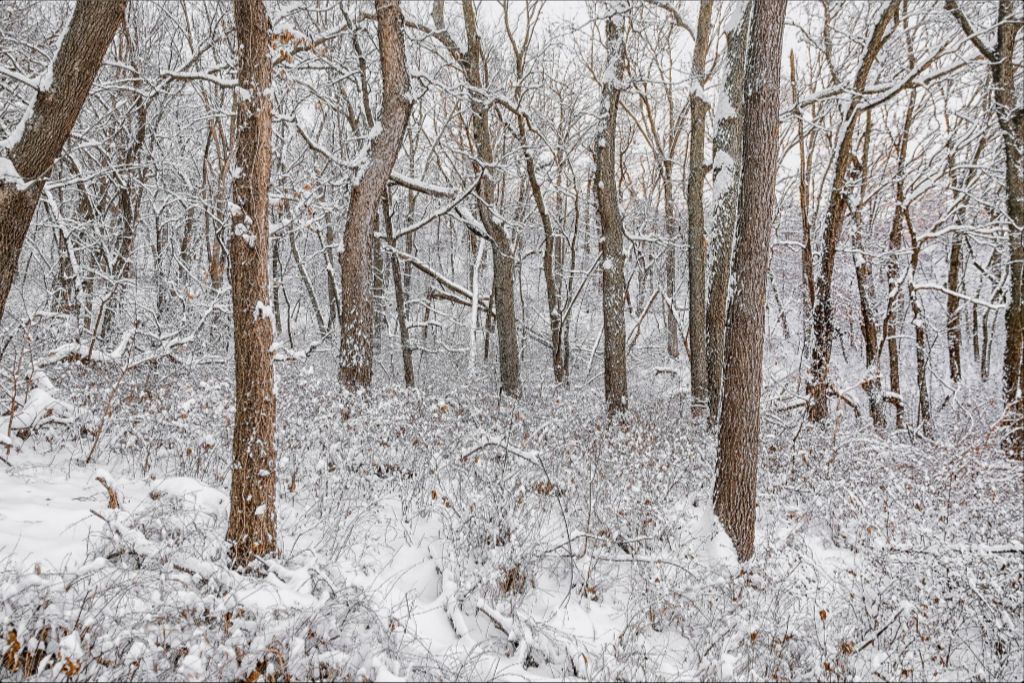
(440, 535)
(432, 526)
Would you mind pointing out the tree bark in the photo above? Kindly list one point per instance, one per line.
(865, 291)
(728, 150)
(807, 252)
(252, 521)
(356, 345)
(47, 123)
(503, 299)
(613, 281)
(735, 492)
(697, 247)
(924, 411)
(959, 182)
(398, 282)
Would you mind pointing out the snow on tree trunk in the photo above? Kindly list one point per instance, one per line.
(735, 492)
(252, 521)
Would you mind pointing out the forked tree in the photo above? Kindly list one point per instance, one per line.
(728, 148)
(735, 493)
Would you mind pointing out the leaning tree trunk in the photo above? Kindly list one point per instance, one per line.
(356, 346)
(40, 137)
(252, 521)
(821, 354)
(728, 149)
(551, 279)
(613, 281)
(735, 493)
(696, 242)
(503, 285)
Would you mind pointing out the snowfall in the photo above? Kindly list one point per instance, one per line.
(452, 533)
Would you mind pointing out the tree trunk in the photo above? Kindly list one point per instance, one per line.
(185, 249)
(613, 281)
(503, 299)
(356, 346)
(735, 492)
(959, 182)
(128, 198)
(893, 283)
(252, 521)
(696, 241)
(821, 355)
(672, 233)
(806, 252)
(398, 282)
(552, 265)
(47, 124)
(865, 292)
(728, 150)
(276, 279)
(953, 308)
(307, 284)
(924, 411)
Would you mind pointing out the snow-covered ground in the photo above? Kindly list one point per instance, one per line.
(427, 535)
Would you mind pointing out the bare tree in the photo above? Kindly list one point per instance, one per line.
(1010, 115)
(696, 241)
(552, 279)
(252, 521)
(40, 136)
(613, 281)
(865, 289)
(735, 493)
(728, 148)
(471, 61)
(356, 350)
(818, 387)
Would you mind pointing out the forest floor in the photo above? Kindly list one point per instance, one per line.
(455, 535)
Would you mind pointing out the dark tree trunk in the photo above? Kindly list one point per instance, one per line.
(503, 299)
(1010, 116)
(728, 151)
(821, 356)
(398, 282)
(613, 281)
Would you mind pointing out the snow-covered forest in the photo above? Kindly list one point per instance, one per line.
(511, 339)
